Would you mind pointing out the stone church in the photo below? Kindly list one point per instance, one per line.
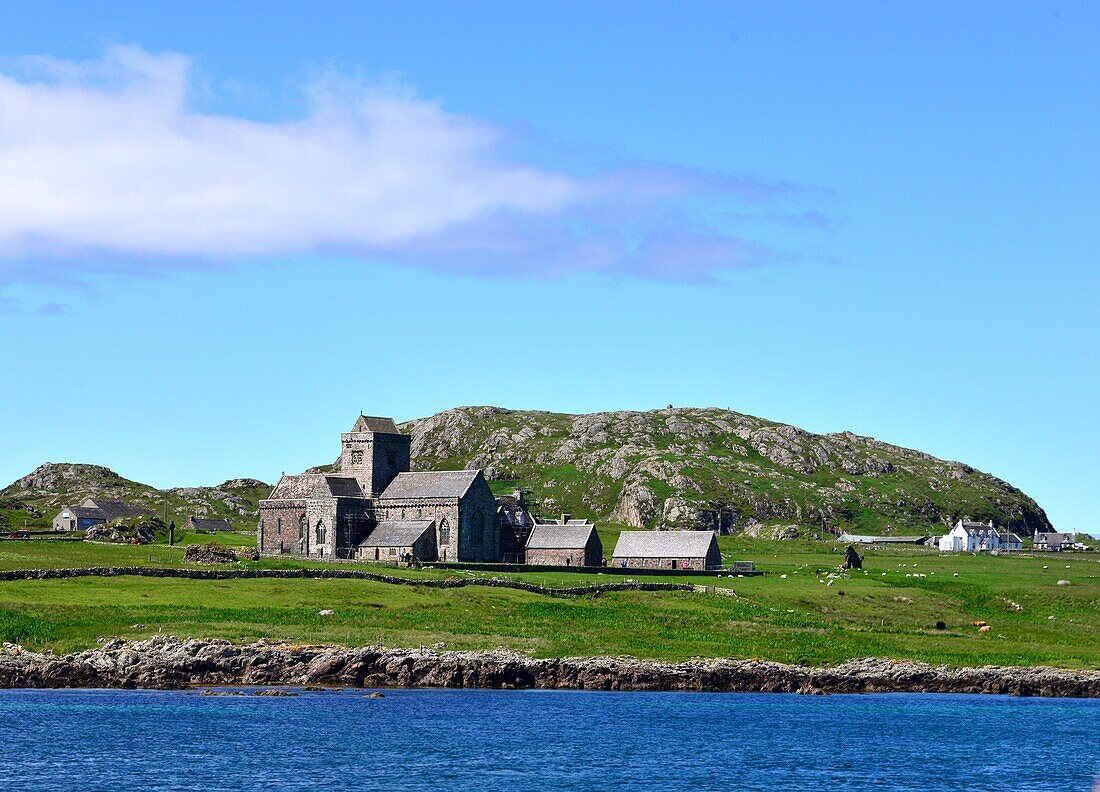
(375, 509)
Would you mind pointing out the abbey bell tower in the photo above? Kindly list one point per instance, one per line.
(373, 453)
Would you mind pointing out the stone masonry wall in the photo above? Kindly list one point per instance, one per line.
(279, 526)
(556, 557)
(480, 526)
(445, 512)
(661, 563)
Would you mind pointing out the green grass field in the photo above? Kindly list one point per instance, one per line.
(879, 612)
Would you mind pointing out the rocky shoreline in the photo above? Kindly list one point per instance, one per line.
(171, 663)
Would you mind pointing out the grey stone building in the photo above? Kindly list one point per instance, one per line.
(395, 540)
(667, 550)
(564, 545)
(95, 511)
(376, 509)
(202, 525)
(1054, 542)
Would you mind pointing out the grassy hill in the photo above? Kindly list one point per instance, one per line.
(705, 468)
(34, 500)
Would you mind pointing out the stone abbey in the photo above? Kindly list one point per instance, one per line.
(375, 509)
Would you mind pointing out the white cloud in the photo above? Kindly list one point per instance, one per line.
(127, 167)
(106, 157)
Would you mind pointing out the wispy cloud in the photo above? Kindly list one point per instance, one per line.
(9, 306)
(104, 161)
(52, 309)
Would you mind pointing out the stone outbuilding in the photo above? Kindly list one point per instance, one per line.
(564, 545)
(96, 511)
(202, 525)
(667, 550)
(395, 541)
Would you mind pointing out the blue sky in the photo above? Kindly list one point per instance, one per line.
(226, 231)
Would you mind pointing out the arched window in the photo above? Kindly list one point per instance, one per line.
(321, 532)
(444, 532)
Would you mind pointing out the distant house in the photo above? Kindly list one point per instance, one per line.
(399, 540)
(565, 545)
(667, 550)
(95, 511)
(975, 537)
(206, 526)
(1051, 541)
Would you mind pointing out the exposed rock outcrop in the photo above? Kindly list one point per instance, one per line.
(132, 530)
(170, 663)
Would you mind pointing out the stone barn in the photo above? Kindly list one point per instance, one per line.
(206, 526)
(667, 550)
(95, 511)
(395, 541)
(564, 545)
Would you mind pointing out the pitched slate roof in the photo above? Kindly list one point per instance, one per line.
(209, 525)
(970, 526)
(342, 487)
(1053, 537)
(297, 487)
(111, 509)
(373, 423)
(397, 533)
(663, 544)
(559, 537)
(84, 512)
(432, 484)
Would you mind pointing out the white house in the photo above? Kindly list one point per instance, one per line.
(975, 537)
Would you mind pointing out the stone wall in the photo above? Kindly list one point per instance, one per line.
(479, 526)
(660, 563)
(278, 531)
(557, 557)
(327, 574)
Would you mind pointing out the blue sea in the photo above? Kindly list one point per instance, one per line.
(479, 739)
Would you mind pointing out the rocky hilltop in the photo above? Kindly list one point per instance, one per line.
(669, 469)
(167, 663)
(711, 468)
(40, 494)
